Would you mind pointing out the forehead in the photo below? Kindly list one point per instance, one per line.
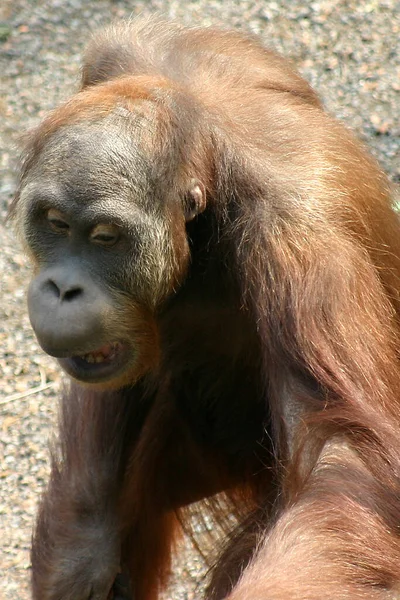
(93, 170)
(87, 159)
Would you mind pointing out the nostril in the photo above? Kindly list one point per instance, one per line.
(72, 294)
(52, 288)
(63, 293)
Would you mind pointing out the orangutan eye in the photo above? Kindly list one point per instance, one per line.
(105, 235)
(57, 221)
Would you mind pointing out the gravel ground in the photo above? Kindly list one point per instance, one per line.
(349, 50)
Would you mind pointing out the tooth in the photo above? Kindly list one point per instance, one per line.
(89, 358)
(98, 358)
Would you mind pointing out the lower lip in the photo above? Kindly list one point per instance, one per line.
(82, 370)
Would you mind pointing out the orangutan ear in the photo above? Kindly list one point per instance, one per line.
(195, 200)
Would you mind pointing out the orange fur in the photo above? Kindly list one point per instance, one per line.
(269, 387)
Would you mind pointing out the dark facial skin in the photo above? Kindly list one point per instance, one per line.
(102, 242)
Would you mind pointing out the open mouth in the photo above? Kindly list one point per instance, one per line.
(106, 353)
(100, 364)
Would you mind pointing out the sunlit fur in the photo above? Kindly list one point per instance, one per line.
(276, 381)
